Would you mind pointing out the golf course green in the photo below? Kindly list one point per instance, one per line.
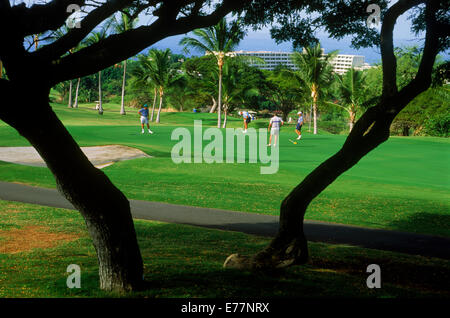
(402, 185)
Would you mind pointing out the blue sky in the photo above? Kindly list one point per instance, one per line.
(261, 40)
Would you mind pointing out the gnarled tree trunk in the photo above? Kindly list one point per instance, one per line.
(104, 208)
(289, 247)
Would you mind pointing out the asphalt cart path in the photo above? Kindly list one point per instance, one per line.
(251, 223)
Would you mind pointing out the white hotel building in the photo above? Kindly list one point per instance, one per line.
(341, 63)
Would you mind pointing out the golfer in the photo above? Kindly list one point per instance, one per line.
(298, 128)
(144, 118)
(274, 128)
(247, 119)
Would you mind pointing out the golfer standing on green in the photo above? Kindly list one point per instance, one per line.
(298, 128)
(274, 128)
(144, 118)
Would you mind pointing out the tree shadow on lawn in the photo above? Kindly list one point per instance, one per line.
(427, 222)
(189, 264)
(320, 278)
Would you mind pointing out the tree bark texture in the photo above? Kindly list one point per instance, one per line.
(104, 208)
(289, 247)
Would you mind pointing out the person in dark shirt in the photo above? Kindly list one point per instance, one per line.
(298, 128)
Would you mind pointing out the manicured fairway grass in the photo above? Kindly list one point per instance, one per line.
(185, 261)
(404, 184)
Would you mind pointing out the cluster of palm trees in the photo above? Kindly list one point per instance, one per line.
(116, 24)
(218, 40)
(314, 71)
(155, 71)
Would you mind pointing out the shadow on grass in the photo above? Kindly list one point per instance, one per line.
(191, 266)
(425, 221)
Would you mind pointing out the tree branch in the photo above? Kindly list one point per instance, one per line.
(41, 17)
(387, 44)
(119, 47)
(76, 35)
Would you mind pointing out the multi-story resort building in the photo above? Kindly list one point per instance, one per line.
(341, 63)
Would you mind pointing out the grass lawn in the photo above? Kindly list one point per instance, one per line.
(402, 185)
(38, 243)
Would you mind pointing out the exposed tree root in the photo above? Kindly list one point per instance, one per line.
(271, 258)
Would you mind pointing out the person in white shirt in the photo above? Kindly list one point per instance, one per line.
(274, 128)
(247, 119)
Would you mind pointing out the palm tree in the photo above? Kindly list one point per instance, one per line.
(236, 86)
(218, 40)
(120, 25)
(75, 104)
(158, 69)
(142, 78)
(92, 39)
(202, 78)
(315, 70)
(351, 90)
(162, 73)
(57, 34)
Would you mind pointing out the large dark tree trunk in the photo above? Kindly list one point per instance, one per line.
(289, 247)
(105, 209)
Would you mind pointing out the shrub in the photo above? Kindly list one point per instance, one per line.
(438, 125)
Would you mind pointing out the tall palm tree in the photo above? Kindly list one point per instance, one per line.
(163, 74)
(57, 34)
(120, 25)
(351, 90)
(77, 89)
(158, 69)
(143, 78)
(236, 86)
(92, 39)
(315, 70)
(218, 40)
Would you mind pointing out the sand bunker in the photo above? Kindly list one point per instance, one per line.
(100, 157)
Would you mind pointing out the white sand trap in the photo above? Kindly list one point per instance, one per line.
(100, 157)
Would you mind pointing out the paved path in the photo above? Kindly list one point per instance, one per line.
(265, 225)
